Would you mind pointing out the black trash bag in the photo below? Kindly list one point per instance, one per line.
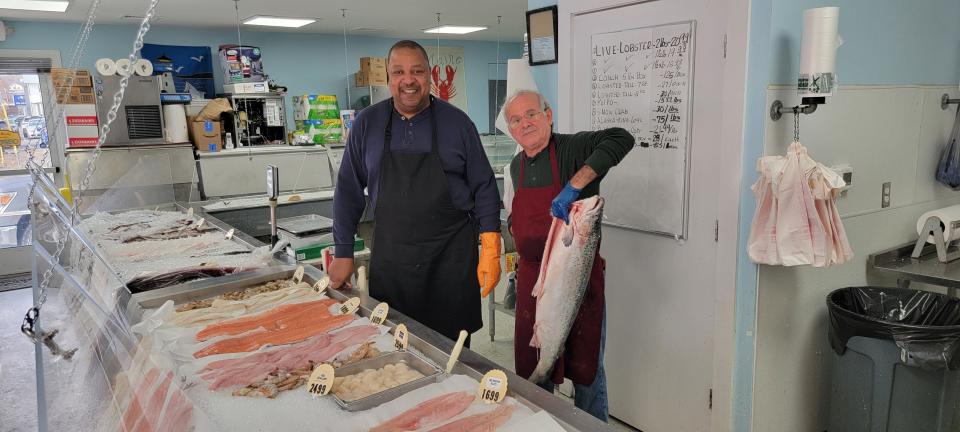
(924, 325)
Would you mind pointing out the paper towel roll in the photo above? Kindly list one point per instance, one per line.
(106, 67)
(175, 123)
(143, 67)
(949, 220)
(818, 51)
(124, 68)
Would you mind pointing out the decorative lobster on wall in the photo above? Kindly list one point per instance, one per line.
(443, 88)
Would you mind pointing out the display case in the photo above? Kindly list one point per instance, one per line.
(121, 344)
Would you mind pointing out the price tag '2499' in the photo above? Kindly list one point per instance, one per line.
(321, 380)
(350, 306)
(493, 387)
(401, 337)
(379, 315)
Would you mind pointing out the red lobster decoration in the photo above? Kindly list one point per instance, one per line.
(443, 89)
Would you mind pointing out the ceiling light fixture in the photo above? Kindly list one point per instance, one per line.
(260, 20)
(452, 29)
(35, 5)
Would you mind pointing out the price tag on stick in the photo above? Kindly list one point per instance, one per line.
(321, 380)
(493, 387)
(298, 274)
(401, 337)
(379, 315)
(321, 285)
(350, 306)
(230, 234)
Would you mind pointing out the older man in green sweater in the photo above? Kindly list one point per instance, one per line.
(552, 172)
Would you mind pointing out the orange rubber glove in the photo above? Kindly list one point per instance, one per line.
(488, 271)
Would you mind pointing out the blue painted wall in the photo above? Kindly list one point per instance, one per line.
(545, 75)
(304, 62)
(885, 41)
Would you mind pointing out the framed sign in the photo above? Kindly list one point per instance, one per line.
(542, 35)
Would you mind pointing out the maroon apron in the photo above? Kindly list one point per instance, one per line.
(530, 225)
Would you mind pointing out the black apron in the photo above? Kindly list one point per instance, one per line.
(425, 250)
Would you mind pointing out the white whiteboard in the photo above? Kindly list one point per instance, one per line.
(641, 80)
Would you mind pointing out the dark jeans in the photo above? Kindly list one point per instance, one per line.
(591, 398)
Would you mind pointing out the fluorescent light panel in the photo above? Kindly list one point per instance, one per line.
(277, 21)
(35, 5)
(451, 29)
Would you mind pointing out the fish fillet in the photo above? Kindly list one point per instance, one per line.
(255, 340)
(484, 422)
(563, 280)
(138, 399)
(268, 320)
(318, 349)
(428, 413)
(151, 412)
(220, 310)
(178, 415)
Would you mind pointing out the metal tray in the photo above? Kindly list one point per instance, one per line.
(206, 288)
(305, 225)
(430, 371)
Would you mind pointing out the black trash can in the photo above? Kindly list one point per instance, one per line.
(897, 360)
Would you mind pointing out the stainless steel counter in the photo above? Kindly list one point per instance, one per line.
(927, 269)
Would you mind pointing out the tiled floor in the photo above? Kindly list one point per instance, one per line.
(18, 385)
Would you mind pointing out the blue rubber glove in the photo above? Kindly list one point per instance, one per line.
(560, 207)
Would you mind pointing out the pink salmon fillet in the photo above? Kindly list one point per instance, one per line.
(320, 348)
(270, 319)
(485, 422)
(428, 413)
(287, 335)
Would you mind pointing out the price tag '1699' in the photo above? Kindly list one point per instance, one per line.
(350, 306)
(493, 387)
(321, 380)
(401, 337)
(379, 315)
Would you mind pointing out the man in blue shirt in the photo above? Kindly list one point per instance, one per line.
(433, 192)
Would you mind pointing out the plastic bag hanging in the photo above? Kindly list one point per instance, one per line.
(948, 172)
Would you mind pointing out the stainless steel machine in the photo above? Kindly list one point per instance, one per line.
(258, 119)
(140, 116)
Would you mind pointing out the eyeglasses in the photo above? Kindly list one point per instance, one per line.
(514, 122)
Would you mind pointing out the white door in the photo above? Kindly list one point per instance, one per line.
(660, 291)
(24, 81)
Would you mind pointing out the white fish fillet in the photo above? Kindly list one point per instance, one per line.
(562, 283)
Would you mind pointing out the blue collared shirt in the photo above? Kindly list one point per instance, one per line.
(469, 176)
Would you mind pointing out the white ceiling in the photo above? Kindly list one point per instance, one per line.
(389, 18)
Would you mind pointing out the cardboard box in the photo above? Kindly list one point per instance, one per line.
(82, 136)
(364, 79)
(77, 95)
(204, 133)
(61, 75)
(373, 64)
(250, 87)
(80, 114)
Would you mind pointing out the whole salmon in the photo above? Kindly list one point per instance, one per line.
(562, 283)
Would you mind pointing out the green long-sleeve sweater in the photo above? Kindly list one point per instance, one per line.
(601, 150)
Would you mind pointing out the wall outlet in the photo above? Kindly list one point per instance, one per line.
(885, 198)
